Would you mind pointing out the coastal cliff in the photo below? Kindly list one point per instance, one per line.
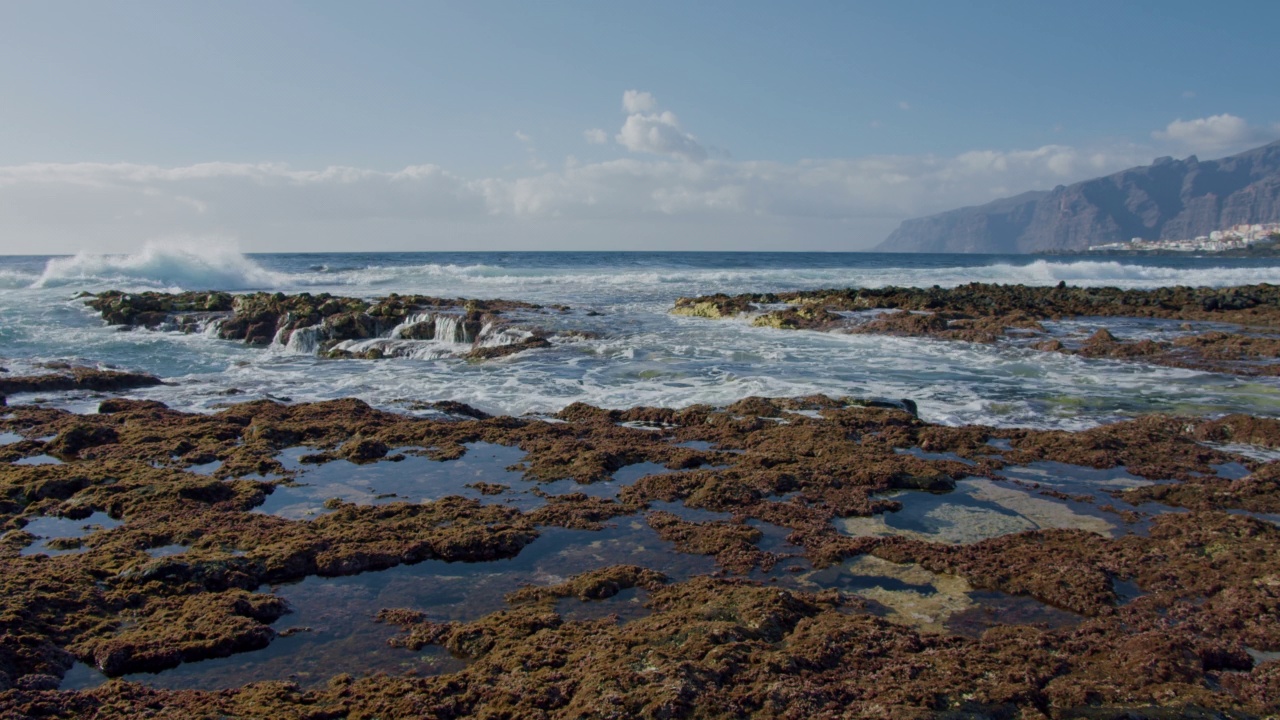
(1168, 199)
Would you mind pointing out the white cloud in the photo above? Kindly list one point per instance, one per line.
(812, 204)
(660, 134)
(904, 105)
(661, 201)
(1188, 94)
(595, 136)
(1215, 133)
(634, 101)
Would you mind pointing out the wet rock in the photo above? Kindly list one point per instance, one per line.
(595, 585)
(733, 545)
(420, 331)
(78, 378)
(1051, 345)
(804, 317)
(39, 682)
(175, 630)
(117, 405)
(497, 351)
(721, 305)
(149, 309)
(456, 408)
(363, 450)
(905, 404)
(577, 511)
(76, 438)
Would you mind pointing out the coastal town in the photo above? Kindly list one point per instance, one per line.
(1235, 238)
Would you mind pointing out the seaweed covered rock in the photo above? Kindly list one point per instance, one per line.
(1167, 613)
(77, 378)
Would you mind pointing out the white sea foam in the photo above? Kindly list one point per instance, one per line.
(190, 264)
(644, 355)
(218, 264)
(482, 277)
(13, 279)
(1093, 273)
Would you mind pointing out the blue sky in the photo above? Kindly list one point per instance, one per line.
(500, 125)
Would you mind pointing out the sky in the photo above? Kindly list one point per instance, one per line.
(607, 125)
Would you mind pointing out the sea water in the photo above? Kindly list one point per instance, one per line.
(640, 354)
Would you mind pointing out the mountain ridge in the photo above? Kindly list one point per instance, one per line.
(1168, 199)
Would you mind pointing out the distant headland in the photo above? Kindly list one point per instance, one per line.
(1167, 201)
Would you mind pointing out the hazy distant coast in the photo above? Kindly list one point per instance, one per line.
(1260, 250)
(1167, 200)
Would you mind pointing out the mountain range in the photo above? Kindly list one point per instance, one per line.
(1168, 199)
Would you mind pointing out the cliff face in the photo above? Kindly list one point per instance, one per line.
(1169, 199)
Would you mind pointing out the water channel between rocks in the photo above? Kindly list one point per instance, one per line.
(1041, 495)
(46, 529)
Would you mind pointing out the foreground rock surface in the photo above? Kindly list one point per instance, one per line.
(763, 637)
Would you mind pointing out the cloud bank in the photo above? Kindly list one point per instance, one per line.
(668, 195)
(1215, 133)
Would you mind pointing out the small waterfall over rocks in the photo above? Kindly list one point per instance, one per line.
(488, 337)
(449, 328)
(421, 335)
(213, 327)
(306, 340)
(409, 323)
(425, 335)
(277, 341)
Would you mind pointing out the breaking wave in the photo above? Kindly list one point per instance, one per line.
(200, 264)
(1093, 273)
(187, 264)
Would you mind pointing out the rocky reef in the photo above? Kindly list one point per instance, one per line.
(1129, 570)
(337, 327)
(63, 377)
(1017, 314)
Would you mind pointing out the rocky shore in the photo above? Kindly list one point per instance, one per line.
(1142, 556)
(986, 313)
(336, 327)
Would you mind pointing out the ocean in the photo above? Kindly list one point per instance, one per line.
(639, 354)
